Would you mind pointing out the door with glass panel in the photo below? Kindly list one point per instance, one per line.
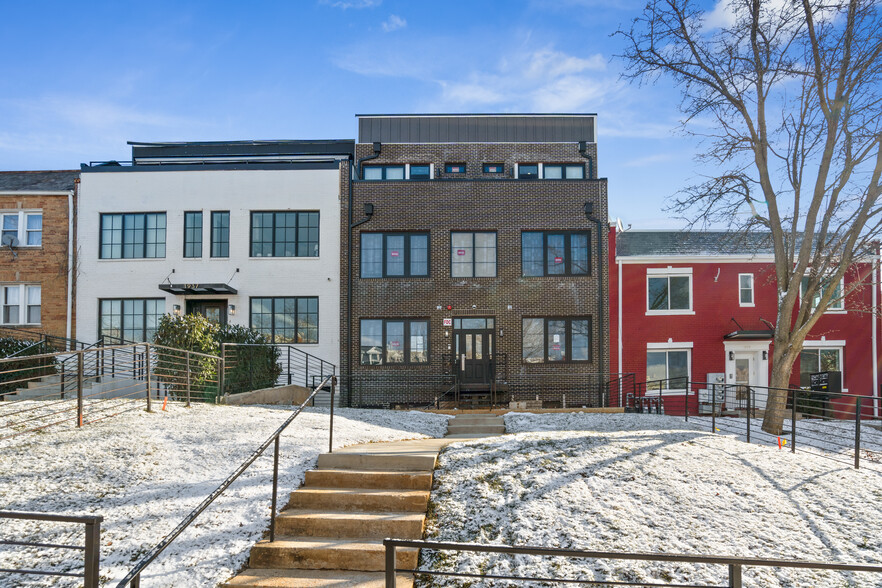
(742, 378)
(474, 348)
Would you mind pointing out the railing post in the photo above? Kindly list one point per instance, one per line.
(80, 389)
(221, 368)
(147, 372)
(331, 429)
(793, 423)
(390, 564)
(713, 408)
(687, 399)
(749, 394)
(288, 364)
(93, 553)
(188, 379)
(857, 433)
(735, 576)
(136, 582)
(306, 375)
(275, 489)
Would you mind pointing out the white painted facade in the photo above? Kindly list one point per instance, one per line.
(238, 191)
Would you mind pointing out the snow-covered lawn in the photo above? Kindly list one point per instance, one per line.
(144, 472)
(648, 483)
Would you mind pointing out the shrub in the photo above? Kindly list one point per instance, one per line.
(248, 368)
(23, 369)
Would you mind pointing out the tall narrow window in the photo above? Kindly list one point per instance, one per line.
(220, 233)
(193, 234)
(745, 289)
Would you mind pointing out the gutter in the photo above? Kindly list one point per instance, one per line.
(876, 324)
(589, 209)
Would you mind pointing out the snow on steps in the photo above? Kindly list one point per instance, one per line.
(475, 425)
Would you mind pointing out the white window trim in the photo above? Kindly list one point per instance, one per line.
(672, 346)
(22, 302)
(22, 226)
(838, 345)
(830, 310)
(752, 291)
(669, 272)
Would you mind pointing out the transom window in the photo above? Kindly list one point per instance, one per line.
(286, 319)
(555, 253)
(473, 323)
(667, 369)
(193, 234)
(384, 172)
(819, 359)
(394, 255)
(836, 303)
(473, 255)
(285, 234)
(131, 319)
(24, 225)
(552, 171)
(668, 293)
(138, 235)
(220, 233)
(745, 289)
(494, 168)
(20, 304)
(394, 341)
(556, 339)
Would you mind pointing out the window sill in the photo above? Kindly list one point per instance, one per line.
(274, 258)
(836, 311)
(655, 394)
(131, 259)
(669, 312)
(745, 305)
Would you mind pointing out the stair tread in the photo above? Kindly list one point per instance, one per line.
(264, 578)
(300, 542)
(363, 471)
(349, 514)
(355, 490)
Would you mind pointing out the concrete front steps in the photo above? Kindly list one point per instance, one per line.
(331, 532)
(475, 425)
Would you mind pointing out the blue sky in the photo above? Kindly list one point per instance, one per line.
(84, 78)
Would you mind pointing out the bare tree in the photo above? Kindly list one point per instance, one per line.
(786, 94)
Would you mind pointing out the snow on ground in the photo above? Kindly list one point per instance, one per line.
(649, 483)
(144, 472)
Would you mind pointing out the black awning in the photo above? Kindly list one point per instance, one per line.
(765, 334)
(198, 289)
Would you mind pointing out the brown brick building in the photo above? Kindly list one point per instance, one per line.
(475, 260)
(36, 259)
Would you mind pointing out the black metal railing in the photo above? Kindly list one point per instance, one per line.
(91, 548)
(735, 565)
(250, 366)
(133, 578)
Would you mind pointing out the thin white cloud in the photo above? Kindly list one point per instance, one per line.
(393, 23)
(347, 4)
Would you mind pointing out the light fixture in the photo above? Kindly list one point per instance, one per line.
(589, 209)
(176, 308)
(731, 356)
(765, 355)
(446, 333)
(500, 332)
(232, 310)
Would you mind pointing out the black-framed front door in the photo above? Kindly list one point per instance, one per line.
(474, 345)
(213, 310)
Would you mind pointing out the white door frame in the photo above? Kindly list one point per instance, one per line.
(759, 354)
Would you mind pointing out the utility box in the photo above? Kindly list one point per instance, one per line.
(827, 383)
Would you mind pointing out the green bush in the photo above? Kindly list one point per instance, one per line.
(23, 369)
(248, 368)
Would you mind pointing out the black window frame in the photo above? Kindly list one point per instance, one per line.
(297, 228)
(217, 242)
(275, 299)
(567, 250)
(495, 257)
(427, 176)
(385, 168)
(563, 170)
(103, 216)
(522, 176)
(407, 252)
(191, 231)
(486, 168)
(448, 168)
(122, 328)
(568, 336)
(407, 330)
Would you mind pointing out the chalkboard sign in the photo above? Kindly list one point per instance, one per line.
(827, 382)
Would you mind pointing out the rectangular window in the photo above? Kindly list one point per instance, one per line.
(556, 339)
(384, 172)
(193, 234)
(528, 171)
(286, 319)
(285, 234)
(25, 226)
(20, 304)
(454, 168)
(130, 319)
(836, 303)
(667, 369)
(220, 233)
(420, 172)
(555, 253)
(819, 359)
(667, 293)
(745, 289)
(473, 255)
(394, 341)
(563, 172)
(494, 168)
(133, 236)
(394, 255)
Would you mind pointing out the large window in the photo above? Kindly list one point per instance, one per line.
(394, 255)
(556, 339)
(473, 255)
(220, 233)
(836, 302)
(133, 235)
(20, 304)
(667, 369)
(193, 234)
(131, 319)
(819, 359)
(24, 225)
(668, 292)
(555, 253)
(286, 319)
(285, 234)
(394, 341)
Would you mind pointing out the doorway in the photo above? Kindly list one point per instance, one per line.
(474, 342)
(747, 377)
(213, 310)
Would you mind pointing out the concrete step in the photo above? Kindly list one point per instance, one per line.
(459, 421)
(370, 480)
(382, 500)
(469, 436)
(363, 525)
(262, 578)
(377, 461)
(479, 429)
(326, 553)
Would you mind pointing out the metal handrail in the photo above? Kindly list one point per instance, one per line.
(735, 564)
(133, 578)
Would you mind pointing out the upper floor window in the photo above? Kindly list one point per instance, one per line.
(394, 341)
(284, 234)
(553, 171)
(131, 319)
(669, 291)
(193, 234)
(836, 302)
(494, 168)
(472, 255)
(555, 253)
(24, 225)
(454, 168)
(394, 255)
(384, 172)
(220, 233)
(286, 319)
(745, 289)
(133, 235)
(528, 171)
(21, 304)
(556, 339)
(420, 172)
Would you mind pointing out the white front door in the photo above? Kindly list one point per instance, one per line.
(742, 377)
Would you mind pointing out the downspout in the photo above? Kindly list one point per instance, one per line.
(875, 319)
(619, 288)
(583, 151)
(70, 257)
(589, 210)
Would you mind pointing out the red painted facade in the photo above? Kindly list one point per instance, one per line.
(716, 311)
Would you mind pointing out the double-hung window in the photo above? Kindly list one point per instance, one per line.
(473, 255)
(394, 255)
(285, 234)
(193, 234)
(138, 235)
(25, 225)
(667, 369)
(394, 341)
(814, 359)
(131, 319)
(669, 291)
(745, 290)
(220, 233)
(286, 319)
(555, 253)
(557, 171)
(836, 302)
(20, 304)
(556, 339)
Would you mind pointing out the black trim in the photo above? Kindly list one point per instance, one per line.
(208, 165)
(407, 251)
(272, 334)
(211, 241)
(197, 289)
(296, 232)
(122, 314)
(568, 335)
(101, 216)
(473, 276)
(568, 257)
(750, 335)
(201, 234)
(407, 322)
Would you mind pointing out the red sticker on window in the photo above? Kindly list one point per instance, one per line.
(556, 347)
(460, 251)
(395, 344)
(394, 254)
(558, 260)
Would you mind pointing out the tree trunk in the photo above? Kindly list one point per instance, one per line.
(783, 358)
